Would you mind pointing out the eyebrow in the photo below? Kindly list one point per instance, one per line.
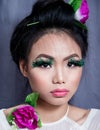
(51, 57)
(44, 55)
(71, 56)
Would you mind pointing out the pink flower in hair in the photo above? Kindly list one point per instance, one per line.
(82, 13)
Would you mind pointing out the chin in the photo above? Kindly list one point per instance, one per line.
(59, 102)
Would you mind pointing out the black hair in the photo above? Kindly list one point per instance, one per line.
(48, 15)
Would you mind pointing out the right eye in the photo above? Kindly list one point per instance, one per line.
(42, 64)
(75, 63)
(71, 64)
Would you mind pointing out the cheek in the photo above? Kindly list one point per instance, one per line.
(75, 79)
(74, 83)
(38, 80)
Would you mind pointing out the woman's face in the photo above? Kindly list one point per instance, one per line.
(49, 69)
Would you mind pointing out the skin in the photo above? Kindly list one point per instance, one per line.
(61, 48)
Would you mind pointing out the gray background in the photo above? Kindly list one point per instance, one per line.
(13, 86)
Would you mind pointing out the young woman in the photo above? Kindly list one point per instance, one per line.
(49, 47)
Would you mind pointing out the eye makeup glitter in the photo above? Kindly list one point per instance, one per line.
(75, 62)
(42, 63)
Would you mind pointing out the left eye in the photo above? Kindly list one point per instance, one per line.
(45, 65)
(71, 64)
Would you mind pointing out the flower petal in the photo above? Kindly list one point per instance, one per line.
(82, 13)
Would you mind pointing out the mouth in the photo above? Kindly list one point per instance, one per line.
(59, 92)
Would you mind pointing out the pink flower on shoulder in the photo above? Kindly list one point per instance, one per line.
(82, 13)
(26, 117)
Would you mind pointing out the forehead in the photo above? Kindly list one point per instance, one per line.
(55, 44)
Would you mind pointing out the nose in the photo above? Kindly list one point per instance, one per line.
(59, 76)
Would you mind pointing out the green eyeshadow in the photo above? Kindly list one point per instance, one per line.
(41, 62)
(79, 63)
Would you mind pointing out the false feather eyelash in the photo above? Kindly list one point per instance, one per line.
(41, 62)
(79, 63)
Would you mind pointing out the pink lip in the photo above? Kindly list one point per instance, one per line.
(59, 92)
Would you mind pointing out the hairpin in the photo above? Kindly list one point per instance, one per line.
(33, 23)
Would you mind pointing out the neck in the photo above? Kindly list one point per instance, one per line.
(49, 113)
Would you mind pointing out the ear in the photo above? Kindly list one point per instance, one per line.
(23, 68)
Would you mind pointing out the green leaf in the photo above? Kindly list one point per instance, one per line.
(70, 1)
(10, 117)
(31, 99)
(39, 122)
(80, 25)
(75, 4)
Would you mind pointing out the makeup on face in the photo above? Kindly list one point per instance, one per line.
(74, 62)
(42, 62)
(60, 92)
(47, 62)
